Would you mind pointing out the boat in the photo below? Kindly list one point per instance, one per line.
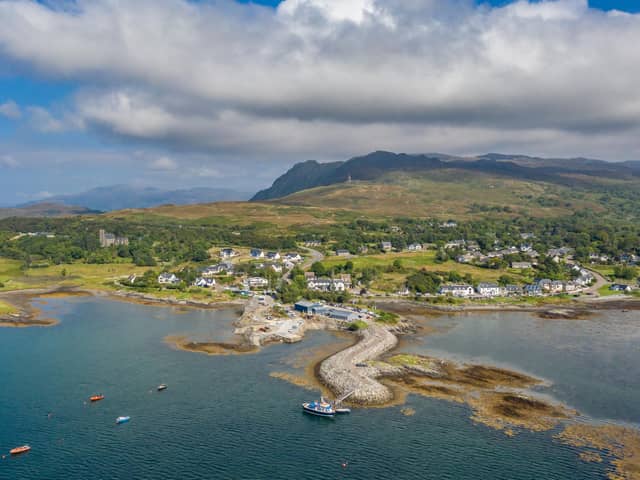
(338, 402)
(320, 408)
(343, 410)
(120, 420)
(96, 398)
(19, 450)
(162, 387)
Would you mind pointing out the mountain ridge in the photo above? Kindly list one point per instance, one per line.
(373, 166)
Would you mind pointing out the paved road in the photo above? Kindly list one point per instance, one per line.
(315, 256)
(600, 282)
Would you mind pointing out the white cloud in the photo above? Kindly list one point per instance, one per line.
(163, 164)
(42, 120)
(10, 109)
(8, 161)
(331, 78)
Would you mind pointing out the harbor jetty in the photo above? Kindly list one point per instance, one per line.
(346, 371)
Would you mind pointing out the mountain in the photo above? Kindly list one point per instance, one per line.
(374, 166)
(120, 197)
(45, 209)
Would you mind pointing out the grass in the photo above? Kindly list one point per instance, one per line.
(387, 317)
(6, 309)
(358, 325)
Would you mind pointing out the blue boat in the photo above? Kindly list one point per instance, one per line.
(320, 408)
(121, 420)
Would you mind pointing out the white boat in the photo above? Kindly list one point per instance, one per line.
(120, 420)
(320, 408)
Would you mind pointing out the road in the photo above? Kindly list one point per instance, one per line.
(315, 256)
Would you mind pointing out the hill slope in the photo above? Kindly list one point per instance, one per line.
(375, 166)
(44, 209)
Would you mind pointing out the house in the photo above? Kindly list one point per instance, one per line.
(533, 290)
(276, 267)
(527, 236)
(343, 253)
(204, 282)
(293, 257)
(345, 278)
(448, 224)
(415, 247)
(309, 276)
(404, 292)
(513, 289)
(168, 279)
(619, 287)
(228, 253)
(312, 243)
(256, 253)
(526, 247)
(257, 282)
(455, 244)
(561, 252)
(386, 246)
(363, 249)
(556, 286)
(457, 290)
(521, 265)
(489, 290)
(218, 269)
(319, 284)
(131, 279)
(273, 255)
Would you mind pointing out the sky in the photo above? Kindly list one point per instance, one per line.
(226, 93)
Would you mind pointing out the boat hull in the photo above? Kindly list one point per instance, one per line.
(318, 413)
(20, 450)
(121, 420)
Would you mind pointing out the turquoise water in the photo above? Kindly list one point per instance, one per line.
(592, 364)
(222, 417)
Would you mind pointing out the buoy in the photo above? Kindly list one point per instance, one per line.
(344, 464)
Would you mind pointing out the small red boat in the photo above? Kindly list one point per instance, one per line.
(19, 450)
(96, 398)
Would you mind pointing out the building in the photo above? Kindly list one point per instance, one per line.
(109, 239)
(293, 257)
(312, 243)
(533, 290)
(342, 252)
(305, 306)
(386, 246)
(341, 314)
(513, 290)
(619, 287)
(257, 282)
(462, 290)
(168, 279)
(449, 224)
(489, 290)
(228, 253)
(204, 282)
(521, 265)
(257, 253)
(455, 244)
(218, 269)
(273, 256)
(415, 247)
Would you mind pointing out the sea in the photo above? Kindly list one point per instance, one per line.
(226, 417)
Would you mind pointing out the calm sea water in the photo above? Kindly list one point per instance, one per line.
(592, 364)
(223, 417)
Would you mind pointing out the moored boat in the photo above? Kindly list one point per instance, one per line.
(96, 398)
(19, 450)
(343, 410)
(120, 420)
(320, 408)
(162, 387)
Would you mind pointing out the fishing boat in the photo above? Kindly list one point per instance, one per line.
(19, 450)
(162, 387)
(320, 408)
(120, 420)
(96, 398)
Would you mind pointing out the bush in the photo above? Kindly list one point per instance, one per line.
(357, 325)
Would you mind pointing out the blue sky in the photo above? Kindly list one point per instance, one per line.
(532, 81)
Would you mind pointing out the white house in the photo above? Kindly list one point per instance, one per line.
(415, 247)
(293, 257)
(457, 290)
(257, 253)
(212, 270)
(521, 265)
(257, 282)
(273, 256)
(341, 252)
(276, 267)
(168, 279)
(386, 246)
(204, 282)
(489, 290)
(228, 253)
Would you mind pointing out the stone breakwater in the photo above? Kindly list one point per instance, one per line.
(340, 373)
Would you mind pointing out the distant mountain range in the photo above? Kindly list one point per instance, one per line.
(377, 165)
(119, 197)
(44, 209)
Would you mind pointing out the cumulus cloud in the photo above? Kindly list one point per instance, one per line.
(10, 109)
(42, 120)
(338, 77)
